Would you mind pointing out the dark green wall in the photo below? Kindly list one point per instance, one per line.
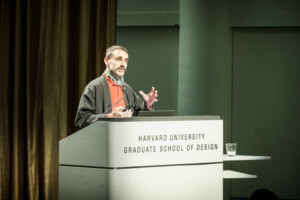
(149, 29)
(266, 107)
(153, 61)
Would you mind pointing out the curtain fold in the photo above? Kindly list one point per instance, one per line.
(49, 51)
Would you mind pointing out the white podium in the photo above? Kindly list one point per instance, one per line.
(144, 158)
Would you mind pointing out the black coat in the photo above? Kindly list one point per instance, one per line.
(96, 100)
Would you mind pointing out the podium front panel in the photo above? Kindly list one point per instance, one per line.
(153, 143)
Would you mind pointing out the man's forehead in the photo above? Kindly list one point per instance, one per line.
(118, 53)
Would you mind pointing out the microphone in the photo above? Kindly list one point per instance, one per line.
(112, 106)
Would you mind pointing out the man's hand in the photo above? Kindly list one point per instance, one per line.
(119, 113)
(150, 98)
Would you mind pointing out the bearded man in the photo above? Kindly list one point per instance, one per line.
(109, 96)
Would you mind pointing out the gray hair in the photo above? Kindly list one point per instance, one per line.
(110, 50)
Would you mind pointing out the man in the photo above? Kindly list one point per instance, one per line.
(108, 95)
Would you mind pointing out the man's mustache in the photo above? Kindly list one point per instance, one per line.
(122, 66)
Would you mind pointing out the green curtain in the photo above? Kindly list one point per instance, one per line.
(49, 51)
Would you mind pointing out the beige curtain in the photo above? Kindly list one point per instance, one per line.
(49, 50)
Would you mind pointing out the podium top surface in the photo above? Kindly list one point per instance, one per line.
(161, 118)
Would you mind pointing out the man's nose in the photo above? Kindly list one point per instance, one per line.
(124, 64)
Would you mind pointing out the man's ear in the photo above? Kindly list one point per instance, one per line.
(106, 61)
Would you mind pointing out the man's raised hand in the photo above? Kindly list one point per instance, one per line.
(150, 98)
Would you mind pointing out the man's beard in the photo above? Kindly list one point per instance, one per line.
(115, 75)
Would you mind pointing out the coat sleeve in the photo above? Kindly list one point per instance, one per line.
(87, 108)
(136, 104)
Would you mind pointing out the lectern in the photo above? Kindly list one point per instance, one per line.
(143, 158)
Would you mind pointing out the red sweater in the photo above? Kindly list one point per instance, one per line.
(116, 93)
